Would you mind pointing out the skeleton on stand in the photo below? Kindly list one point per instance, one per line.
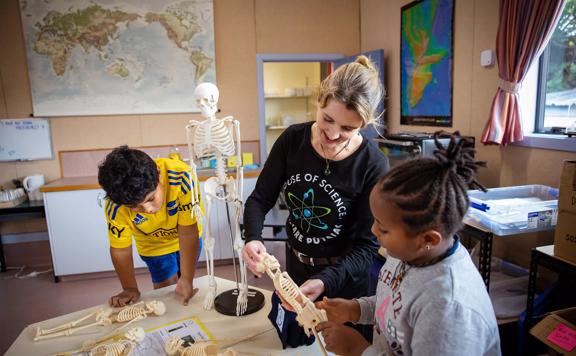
(214, 137)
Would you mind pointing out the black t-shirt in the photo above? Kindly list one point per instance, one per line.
(329, 214)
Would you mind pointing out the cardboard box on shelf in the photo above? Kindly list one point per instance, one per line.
(565, 236)
(558, 331)
(517, 248)
(567, 198)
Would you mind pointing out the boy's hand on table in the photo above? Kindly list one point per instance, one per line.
(340, 310)
(124, 298)
(341, 339)
(184, 291)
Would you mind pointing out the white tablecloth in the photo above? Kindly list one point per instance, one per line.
(221, 326)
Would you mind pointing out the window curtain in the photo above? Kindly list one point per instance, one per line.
(523, 32)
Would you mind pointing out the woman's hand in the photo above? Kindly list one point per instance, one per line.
(340, 310)
(312, 288)
(341, 339)
(251, 253)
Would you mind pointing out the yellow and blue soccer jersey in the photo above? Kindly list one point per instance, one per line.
(155, 234)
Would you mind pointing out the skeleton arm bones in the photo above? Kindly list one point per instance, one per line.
(196, 210)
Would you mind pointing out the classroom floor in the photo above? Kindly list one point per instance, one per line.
(30, 300)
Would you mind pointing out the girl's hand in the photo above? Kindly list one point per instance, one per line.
(252, 255)
(339, 310)
(341, 339)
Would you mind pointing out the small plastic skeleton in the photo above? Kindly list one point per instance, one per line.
(208, 138)
(103, 317)
(306, 312)
(175, 346)
(117, 347)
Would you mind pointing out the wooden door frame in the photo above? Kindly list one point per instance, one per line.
(280, 57)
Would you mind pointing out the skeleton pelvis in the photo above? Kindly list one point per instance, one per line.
(215, 190)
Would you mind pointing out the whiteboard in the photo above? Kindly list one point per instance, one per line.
(25, 139)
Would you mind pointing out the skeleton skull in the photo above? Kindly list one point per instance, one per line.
(136, 334)
(206, 96)
(157, 307)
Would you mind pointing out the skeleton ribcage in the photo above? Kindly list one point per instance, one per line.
(290, 290)
(174, 346)
(213, 136)
(119, 348)
(132, 312)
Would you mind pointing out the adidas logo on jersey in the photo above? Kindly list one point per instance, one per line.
(139, 219)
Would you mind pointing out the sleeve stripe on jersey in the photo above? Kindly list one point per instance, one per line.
(171, 204)
(179, 183)
(115, 211)
(185, 181)
(175, 172)
(178, 177)
(111, 209)
(110, 206)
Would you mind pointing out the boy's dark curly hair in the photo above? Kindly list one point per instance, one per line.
(128, 176)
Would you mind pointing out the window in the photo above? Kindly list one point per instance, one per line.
(556, 103)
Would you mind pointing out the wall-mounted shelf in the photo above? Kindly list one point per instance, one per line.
(286, 96)
(276, 127)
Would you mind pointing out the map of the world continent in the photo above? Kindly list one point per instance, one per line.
(103, 57)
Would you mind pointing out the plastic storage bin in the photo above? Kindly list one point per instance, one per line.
(514, 210)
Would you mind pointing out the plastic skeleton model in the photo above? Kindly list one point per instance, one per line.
(103, 317)
(306, 312)
(175, 346)
(118, 347)
(215, 137)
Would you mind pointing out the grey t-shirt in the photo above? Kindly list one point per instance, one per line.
(442, 309)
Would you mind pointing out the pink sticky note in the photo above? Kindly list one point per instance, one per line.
(564, 337)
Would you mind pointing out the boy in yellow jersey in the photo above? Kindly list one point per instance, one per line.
(150, 201)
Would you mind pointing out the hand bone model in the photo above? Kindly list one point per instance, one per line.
(306, 312)
(122, 345)
(103, 317)
(175, 346)
(214, 137)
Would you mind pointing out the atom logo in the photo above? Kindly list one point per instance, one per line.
(308, 213)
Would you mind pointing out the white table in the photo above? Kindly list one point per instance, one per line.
(221, 326)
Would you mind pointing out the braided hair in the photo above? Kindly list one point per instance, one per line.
(431, 193)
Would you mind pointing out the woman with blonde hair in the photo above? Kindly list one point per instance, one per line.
(326, 170)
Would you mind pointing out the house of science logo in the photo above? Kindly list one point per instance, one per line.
(307, 214)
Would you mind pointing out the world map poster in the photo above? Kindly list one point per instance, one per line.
(426, 61)
(104, 57)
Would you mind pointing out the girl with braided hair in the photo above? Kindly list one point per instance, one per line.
(430, 298)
